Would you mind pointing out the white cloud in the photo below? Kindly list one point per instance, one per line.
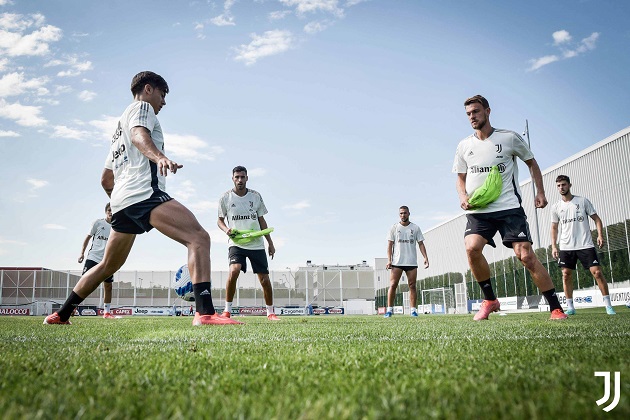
(105, 126)
(4, 133)
(47, 101)
(62, 89)
(14, 41)
(4, 63)
(279, 14)
(86, 81)
(311, 6)
(37, 183)
(199, 30)
(297, 206)
(13, 84)
(5, 2)
(25, 115)
(225, 19)
(190, 148)
(70, 133)
(351, 3)
(53, 226)
(560, 37)
(74, 64)
(203, 206)
(269, 43)
(315, 26)
(86, 95)
(562, 40)
(257, 172)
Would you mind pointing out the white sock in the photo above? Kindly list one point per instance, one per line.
(413, 310)
(390, 309)
(607, 300)
(270, 310)
(228, 307)
(570, 303)
(107, 307)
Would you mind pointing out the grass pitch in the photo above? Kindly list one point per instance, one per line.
(346, 367)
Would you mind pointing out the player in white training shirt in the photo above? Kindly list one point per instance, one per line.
(244, 209)
(475, 156)
(134, 178)
(403, 257)
(571, 215)
(99, 235)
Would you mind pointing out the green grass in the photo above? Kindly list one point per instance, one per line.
(352, 367)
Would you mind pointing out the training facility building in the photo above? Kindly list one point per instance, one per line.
(599, 172)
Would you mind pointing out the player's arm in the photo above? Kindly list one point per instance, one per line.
(263, 226)
(223, 226)
(85, 244)
(460, 185)
(600, 229)
(390, 252)
(534, 170)
(423, 251)
(141, 138)
(554, 241)
(107, 181)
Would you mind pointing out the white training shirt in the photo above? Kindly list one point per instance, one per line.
(476, 157)
(572, 218)
(99, 233)
(242, 213)
(405, 239)
(135, 176)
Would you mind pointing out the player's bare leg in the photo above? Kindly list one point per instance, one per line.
(412, 275)
(268, 294)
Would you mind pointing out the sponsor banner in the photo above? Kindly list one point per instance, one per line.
(474, 305)
(152, 311)
(290, 311)
(15, 311)
(381, 310)
(117, 311)
(252, 311)
(399, 310)
(335, 311)
(590, 298)
(320, 311)
(508, 303)
(86, 310)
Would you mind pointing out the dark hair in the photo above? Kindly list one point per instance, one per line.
(239, 169)
(563, 178)
(477, 99)
(107, 206)
(147, 78)
(404, 207)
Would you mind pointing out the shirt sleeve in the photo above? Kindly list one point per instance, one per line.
(589, 208)
(459, 164)
(109, 162)
(391, 236)
(554, 214)
(222, 210)
(142, 116)
(262, 209)
(419, 236)
(521, 149)
(93, 230)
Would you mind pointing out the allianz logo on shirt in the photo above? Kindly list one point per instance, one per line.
(405, 241)
(247, 217)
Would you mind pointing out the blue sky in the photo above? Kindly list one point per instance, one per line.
(342, 110)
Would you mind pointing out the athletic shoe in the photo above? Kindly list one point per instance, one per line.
(558, 314)
(214, 319)
(108, 315)
(54, 319)
(610, 310)
(226, 314)
(387, 315)
(487, 307)
(273, 317)
(414, 314)
(570, 312)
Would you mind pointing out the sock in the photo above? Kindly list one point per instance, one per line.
(107, 307)
(70, 304)
(270, 310)
(390, 309)
(203, 298)
(413, 309)
(570, 303)
(228, 307)
(607, 300)
(486, 288)
(552, 299)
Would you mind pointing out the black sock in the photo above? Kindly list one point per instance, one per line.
(203, 298)
(552, 299)
(486, 288)
(69, 306)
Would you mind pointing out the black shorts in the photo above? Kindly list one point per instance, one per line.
(257, 257)
(405, 268)
(89, 264)
(511, 224)
(588, 257)
(135, 218)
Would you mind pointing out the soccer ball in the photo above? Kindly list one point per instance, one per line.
(183, 284)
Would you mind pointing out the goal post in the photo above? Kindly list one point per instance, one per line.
(440, 300)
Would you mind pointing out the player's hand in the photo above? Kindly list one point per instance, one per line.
(554, 253)
(464, 203)
(426, 263)
(600, 242)
(165, 165)
(541, 201)
(389, 266)
(230, 233)
(272, 250)
(81, 259)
